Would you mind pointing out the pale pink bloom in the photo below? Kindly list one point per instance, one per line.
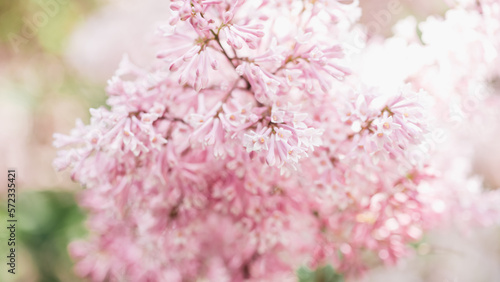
(193, 59)
(249, 34)
(257, 141)
(263, 83)
(384, 129)
(277, 116)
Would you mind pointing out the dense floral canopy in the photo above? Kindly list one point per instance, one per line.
(261, 142)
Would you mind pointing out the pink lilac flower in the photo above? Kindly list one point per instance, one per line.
(250, 150)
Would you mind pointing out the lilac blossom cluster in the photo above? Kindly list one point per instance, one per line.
(249, 150)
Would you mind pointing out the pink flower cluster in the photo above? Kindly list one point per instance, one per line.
(248, 151)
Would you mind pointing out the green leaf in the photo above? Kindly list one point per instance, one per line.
(321, 274)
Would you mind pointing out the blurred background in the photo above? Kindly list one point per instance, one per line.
(55, 59)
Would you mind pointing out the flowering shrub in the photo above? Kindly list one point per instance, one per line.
(256, 146)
